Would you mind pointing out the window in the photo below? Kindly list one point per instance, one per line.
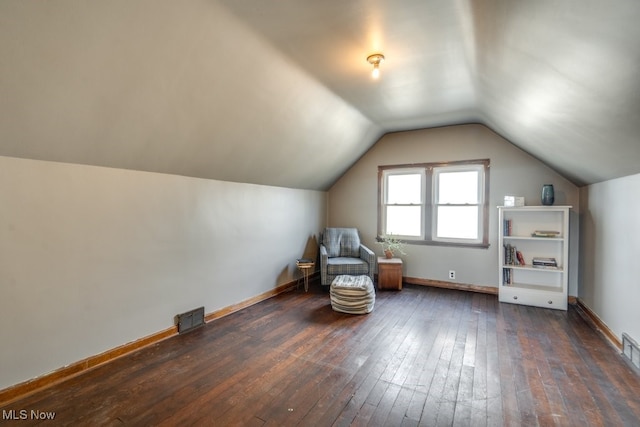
(435, 203)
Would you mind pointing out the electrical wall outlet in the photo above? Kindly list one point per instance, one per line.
(452, 274)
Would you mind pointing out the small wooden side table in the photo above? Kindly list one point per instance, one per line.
(389, 273)
(306, 267)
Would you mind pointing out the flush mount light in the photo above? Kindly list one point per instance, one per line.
(375, 60)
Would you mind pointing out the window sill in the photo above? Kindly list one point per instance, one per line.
(450, 244)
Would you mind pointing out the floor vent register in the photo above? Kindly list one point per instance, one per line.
(190, 320)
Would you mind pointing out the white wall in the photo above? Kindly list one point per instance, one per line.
(353, 199)
(609, 255)
(92, 258)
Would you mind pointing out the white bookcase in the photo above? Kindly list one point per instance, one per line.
(540, 232)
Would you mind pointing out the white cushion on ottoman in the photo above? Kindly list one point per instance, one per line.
(352, 294)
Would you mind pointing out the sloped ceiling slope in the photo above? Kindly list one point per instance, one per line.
(558, 78)
(171, 87)
(279, 92)
(561, 79)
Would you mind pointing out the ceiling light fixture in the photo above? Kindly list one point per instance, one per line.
(375, 60)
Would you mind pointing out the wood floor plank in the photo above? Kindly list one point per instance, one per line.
(400, 407)
(384, 406)
(479, 390)
(424, 356)
(507, 359)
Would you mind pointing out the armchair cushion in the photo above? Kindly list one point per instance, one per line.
(342, 242)
(347, 265)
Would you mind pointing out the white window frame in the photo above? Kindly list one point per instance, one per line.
(430, 173)
(385, 205)
(437, 171)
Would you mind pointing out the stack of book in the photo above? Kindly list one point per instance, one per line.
(544, 262)
(512, 256)
(545, 233)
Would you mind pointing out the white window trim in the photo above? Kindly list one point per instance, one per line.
(479, 191)
(423, 203)
(428, 225)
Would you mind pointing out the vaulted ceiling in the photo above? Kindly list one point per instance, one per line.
(279, 92)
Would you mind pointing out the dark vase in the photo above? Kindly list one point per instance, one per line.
(548, 196)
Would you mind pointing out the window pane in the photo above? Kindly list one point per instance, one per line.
(457, 222)
(458, 187)
(404, 189)
(404, 220)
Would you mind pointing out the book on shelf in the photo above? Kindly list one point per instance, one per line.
(512, 256)
(544, 262)
(545, 233)
(507, 276)
(507, 254)
(507, 227)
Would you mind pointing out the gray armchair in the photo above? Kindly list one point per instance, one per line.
(342, 253)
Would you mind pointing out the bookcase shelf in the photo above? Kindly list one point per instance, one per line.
(542, 239)
(557, 269)
(540, 235)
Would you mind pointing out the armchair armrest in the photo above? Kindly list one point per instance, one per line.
(369, 256)
(324, 256)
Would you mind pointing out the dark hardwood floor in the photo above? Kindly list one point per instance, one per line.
(424, 356)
